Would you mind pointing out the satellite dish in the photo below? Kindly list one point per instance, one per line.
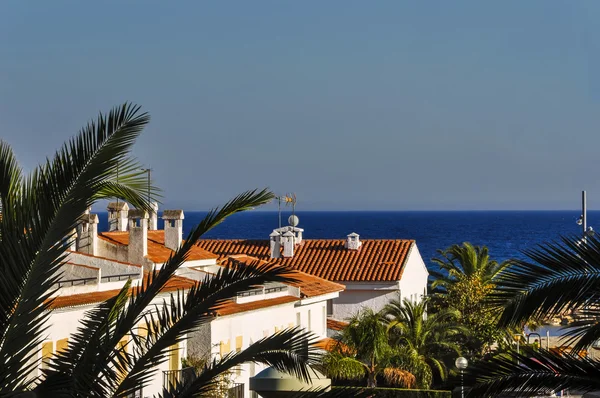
(293, 220)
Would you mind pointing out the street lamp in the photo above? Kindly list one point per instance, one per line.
(462, 363)
(582, 220)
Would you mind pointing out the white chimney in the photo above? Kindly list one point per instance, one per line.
(117, 216)
(87, 234)
(353, 241)
(288, 244)
(153, 222)
(275, 244)
(138, 236)
(173, 228)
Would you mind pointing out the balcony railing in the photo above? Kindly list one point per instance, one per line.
(237, 391)
(173, 377)
(75, 282)
(120, 277)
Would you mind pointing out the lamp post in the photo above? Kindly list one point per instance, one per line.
(462, 363)
(585, 230)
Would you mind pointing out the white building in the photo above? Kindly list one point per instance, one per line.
(101, 262)
(373, 270)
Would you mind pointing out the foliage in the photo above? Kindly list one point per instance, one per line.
(222, 383)
(361, 349)
(558, 276)
(467, 277)
(383, 392)
(423, 341)
(39, 213)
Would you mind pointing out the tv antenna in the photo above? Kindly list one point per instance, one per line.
(287, 199)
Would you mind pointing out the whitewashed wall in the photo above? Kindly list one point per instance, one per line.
(413, 285)
(253, 326)
(64, 321)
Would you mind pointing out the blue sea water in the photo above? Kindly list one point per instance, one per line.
(506, 233)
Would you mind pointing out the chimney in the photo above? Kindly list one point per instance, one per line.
(117, 216)
(87, 234)
(138, 236)
(353, 241)
(275, 244)
(288, 244)
(153, 223)
(173, 228)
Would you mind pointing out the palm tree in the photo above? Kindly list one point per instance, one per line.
(465, 262)
(426, 340)
(557, 276)
(362, 348)
(467, 276)
(39, 213)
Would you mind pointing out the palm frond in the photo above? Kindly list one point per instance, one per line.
(183, 313)
(533, 371)
(563, 275)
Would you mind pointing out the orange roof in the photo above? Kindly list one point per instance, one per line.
(376, 260)
(329, 344)
(334, 324)
(310, 285)
(175, 283)
(230, 307)
(157, 252)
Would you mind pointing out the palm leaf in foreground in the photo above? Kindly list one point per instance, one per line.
(562, 276)
(533, 372)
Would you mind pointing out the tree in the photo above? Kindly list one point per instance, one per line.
(39, 213)
(362, 349)
(557, 276)
(467, 277)
(425, 340)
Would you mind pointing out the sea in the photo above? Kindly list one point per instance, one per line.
(507, 234)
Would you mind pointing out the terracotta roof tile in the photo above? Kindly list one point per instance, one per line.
(334, 324)
(157, 252)
(310, 285)
(175, 283)
(376, 260)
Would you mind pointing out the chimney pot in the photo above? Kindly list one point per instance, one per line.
(353, 241)
(117, 216)
(138, 236)
(288, 244)
(275, 244)
(173, 228)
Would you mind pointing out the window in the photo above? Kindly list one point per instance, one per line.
(309, 322)
(47, 349)
(330, 307)
(174, 357)
(238, 343)
(298, 319)
(61, 345)
(224, 348)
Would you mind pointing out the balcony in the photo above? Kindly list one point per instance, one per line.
(172, 378)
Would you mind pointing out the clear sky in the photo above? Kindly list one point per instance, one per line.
(351, 104)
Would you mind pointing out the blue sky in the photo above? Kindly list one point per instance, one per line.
(350, 104)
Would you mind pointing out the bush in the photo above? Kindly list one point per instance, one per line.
(384, 392)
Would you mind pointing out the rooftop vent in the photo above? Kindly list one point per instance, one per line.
(353, 241)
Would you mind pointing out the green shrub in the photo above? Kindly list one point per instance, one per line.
(384, 392)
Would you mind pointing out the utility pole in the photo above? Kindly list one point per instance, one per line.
(583, 214)
(149, 171)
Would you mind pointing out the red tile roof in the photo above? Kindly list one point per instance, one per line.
(376, 260)
(310, 285)
(334, 324)
(175, 283)
(157, 252)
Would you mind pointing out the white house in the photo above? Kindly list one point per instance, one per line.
(102, 261)
(373, 270)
